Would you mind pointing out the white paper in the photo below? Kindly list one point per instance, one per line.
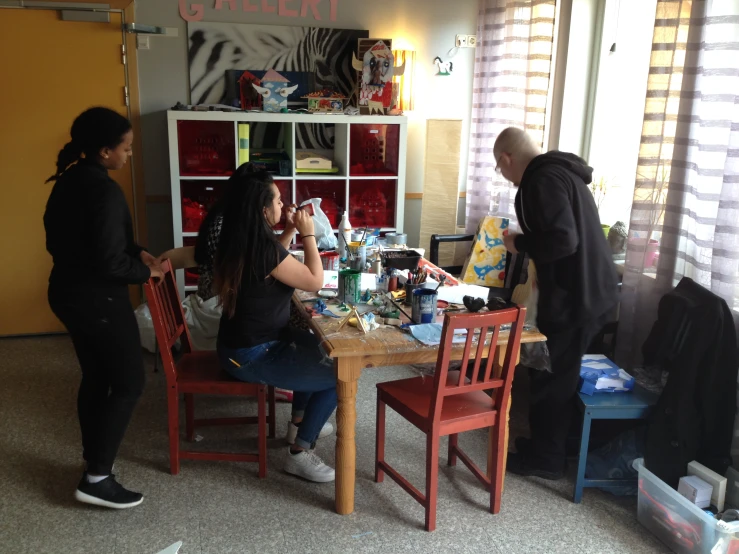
(597, 365)
(594, 357)
(616, 384)
(454, 294)
(430, 334)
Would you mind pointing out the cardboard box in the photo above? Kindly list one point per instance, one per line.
(696, 490)
(712, 478)
(306, 159)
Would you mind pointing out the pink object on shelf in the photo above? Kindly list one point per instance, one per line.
(652, 253)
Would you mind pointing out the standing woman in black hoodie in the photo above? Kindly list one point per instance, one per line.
(89, 235)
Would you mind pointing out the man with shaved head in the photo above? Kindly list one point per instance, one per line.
(577, 282)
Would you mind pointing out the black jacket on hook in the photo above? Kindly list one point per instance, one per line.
(694, 339)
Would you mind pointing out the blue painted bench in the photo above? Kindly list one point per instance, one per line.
(628, 405)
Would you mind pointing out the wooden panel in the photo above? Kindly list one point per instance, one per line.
(84, 68)
(441, 182)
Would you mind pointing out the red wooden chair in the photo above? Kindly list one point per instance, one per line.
(450, 403)
(199, 373)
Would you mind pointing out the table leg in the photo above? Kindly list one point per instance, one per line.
(348, 371)
(583, 457)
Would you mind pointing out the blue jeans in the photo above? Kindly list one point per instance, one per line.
(296, 362)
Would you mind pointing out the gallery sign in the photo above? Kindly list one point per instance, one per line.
(193, 11)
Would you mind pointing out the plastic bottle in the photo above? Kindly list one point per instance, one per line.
(345, 235)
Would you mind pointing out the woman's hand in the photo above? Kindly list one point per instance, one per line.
(290, 212)
(148, 259)
(156, 274)
(304, 223)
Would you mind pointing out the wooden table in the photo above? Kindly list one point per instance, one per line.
(352, 351)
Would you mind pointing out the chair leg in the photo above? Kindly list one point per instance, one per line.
(173, 409)
(452, 445)
(262, 435)
(496, 471)
(190, 416)
(379, 440)
(156, 356)
(272, 412)
(432, 478)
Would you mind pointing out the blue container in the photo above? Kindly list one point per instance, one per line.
(423, 307)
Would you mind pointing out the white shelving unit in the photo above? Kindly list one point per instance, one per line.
(344, 153)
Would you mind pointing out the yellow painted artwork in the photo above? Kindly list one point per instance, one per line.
(486, 263)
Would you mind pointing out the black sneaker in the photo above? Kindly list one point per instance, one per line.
(108, 493)
(520, 464)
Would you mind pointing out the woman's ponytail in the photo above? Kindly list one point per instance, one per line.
(67, 156)
(94, 129)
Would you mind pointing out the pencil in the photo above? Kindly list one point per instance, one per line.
(234, 362)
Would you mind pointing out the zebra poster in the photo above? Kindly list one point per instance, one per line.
(217, 51)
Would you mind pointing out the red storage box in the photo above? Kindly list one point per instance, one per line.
(206, 147)
(372, 203)
(374, 150)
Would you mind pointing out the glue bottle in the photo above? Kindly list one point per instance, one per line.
(345, 236)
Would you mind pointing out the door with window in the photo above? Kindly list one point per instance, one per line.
(52, 70)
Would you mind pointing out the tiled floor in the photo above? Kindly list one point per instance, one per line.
(219, 508)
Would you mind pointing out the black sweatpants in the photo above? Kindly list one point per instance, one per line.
(552, 395)
(106, 338)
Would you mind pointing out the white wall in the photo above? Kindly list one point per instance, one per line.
(426, 26)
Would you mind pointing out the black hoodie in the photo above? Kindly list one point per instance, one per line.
(89, 233)
(563, 236)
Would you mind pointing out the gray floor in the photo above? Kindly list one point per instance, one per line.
(219, 507)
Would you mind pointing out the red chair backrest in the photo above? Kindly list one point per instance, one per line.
(168, 317)
(479, 327)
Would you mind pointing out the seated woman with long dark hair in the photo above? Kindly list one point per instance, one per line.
(255, 278)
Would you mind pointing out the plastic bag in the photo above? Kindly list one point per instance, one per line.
(203, 318)
(325, 238)
(146, 327)
(535, 355)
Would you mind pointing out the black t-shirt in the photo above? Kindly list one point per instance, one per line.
(262, 308)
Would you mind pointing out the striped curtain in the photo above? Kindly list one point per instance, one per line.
(685, 216)
(512, 65)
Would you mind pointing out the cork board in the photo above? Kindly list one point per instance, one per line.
(440, 184)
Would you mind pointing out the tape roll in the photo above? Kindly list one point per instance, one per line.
(398, 239)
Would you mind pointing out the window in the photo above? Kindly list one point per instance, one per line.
(618, 109)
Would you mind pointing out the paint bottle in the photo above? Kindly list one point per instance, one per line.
(345, 235)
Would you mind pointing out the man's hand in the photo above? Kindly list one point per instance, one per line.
(510, 242)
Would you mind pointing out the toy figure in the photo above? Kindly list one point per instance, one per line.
(377, 70)
(274, 91)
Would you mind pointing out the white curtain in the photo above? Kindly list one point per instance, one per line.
(685, 216)
(512, 66)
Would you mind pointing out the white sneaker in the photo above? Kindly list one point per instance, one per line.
(309, 466)
(292, 431)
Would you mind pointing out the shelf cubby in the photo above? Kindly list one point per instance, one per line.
(369, 152)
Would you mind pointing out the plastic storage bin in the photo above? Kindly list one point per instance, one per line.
(681, 525)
